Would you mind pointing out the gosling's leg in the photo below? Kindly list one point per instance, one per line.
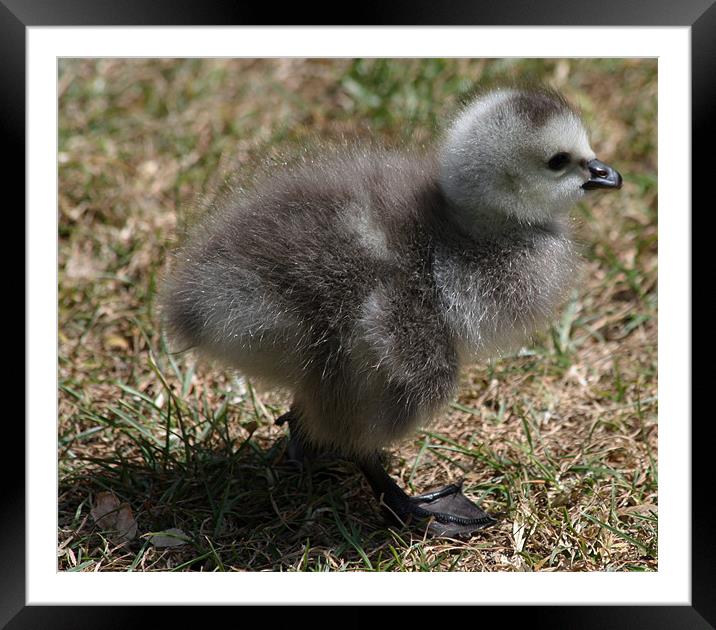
(449, 512)
(298, 451)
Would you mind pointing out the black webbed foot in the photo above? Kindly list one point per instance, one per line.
(452, 513)
(447, 512)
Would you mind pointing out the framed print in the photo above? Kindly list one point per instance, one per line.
(141, 114)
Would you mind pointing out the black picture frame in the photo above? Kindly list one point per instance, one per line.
(700, 15)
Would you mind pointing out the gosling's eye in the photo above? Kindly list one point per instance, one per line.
(558, 161)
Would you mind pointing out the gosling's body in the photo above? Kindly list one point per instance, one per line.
(360, 295)
(362, 280)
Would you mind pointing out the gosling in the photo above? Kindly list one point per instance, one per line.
(362, 280)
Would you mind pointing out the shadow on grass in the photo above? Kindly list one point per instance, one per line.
(249, 510)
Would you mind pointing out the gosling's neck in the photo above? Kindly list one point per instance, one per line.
(482, 222)
(503, 282)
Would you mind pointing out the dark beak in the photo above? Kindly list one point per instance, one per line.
(602, 175)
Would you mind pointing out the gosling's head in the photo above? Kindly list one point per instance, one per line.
(523, 154)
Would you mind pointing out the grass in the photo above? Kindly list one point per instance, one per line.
(560, 439)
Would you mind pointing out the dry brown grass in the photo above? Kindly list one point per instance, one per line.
(561, 439)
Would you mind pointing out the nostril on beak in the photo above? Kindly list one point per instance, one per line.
(602, 175)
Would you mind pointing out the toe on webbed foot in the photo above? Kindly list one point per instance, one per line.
(450, 512)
